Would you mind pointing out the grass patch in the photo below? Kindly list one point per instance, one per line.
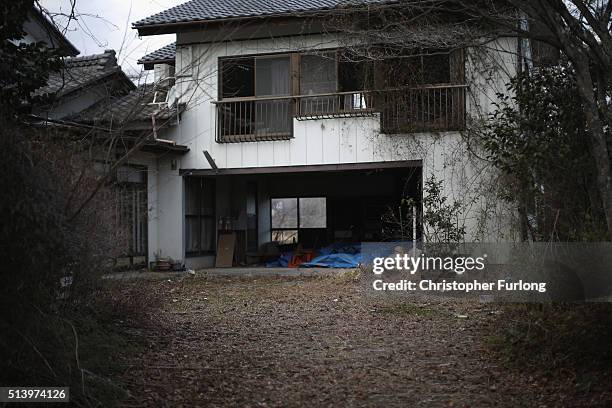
(569, 341)
(80, 346)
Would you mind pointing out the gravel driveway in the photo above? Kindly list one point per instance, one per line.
(306, 342)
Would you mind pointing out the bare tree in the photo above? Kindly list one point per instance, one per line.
(579, 29)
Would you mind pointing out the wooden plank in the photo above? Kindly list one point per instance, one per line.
(226, 244)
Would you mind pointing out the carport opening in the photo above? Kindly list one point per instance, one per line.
(274, 218)
(314, 210)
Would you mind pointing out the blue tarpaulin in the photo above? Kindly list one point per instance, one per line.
(340, 260)
(339, 255)
(281, 262)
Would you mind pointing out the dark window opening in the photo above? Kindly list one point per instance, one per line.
(414, 68)
(238, 78)
(257, 115)
(318, 76)
(318, 73)
(354, 75)
(421, 91)
(273, 76)
(199, 216)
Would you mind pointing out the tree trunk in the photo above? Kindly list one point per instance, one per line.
(598, 144)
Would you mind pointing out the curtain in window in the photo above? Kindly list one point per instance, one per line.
(273, 78)
(318, 76)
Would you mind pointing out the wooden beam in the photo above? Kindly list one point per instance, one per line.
(302, 169)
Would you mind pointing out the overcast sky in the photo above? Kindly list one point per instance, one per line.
(107, 24)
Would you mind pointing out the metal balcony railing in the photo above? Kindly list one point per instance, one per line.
(422, 109)
(254, 119)
(335, 105)
(407, 110)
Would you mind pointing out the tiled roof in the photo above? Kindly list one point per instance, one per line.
(130, 109)
(207, 10)
(58, 39)
(79, 72)
(164, 54)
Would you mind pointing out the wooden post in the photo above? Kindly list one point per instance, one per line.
(414, 231)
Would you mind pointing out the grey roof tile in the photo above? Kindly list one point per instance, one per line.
(131, 108)
(79, 72)
(206, 10)
(166, 53)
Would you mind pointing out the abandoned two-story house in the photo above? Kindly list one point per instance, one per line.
(286, 136)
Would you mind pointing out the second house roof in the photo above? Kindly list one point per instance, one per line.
(211, 10)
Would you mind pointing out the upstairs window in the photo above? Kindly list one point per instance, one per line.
(423, 91)
(272, 76)
(419, 67)
(257, 115)
(255, 77)
(329, 73)
(238, 78)
(318, 74)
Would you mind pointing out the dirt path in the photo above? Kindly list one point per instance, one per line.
(319, 342)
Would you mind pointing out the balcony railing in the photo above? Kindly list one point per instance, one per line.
(422, 109)
(408, 110)
(335, 105)
(254, 119)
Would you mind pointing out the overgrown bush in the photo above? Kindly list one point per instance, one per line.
(58, 319)
(441, 218)
(538, 138)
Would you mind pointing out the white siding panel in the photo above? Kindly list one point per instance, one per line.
(297, 146)
(265, 151)
(348, 142)
(249, 155)
(218, 150)
(365, 131)
(331, 136)
(282, 153)
(314, 141)
(234, 155)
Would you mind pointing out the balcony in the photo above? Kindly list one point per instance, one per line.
(407, 110)
(434, 108)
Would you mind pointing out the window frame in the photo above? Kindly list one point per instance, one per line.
(335, 51)
(298, 227)
(294, 66)
(255, 57)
